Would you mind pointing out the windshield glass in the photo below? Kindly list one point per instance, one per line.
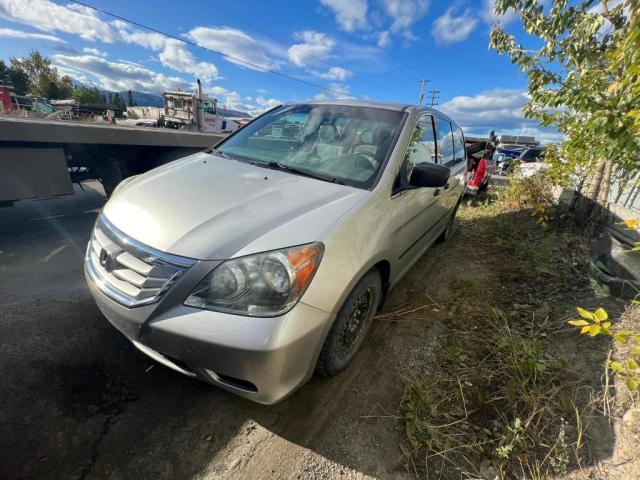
(334, 142)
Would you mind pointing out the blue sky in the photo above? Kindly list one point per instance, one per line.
(375, 49)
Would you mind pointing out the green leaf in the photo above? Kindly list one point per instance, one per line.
(578, 323)
(620, 339)
(615, 366)
(632, 365)
(600, 314)
(606, 325)
(632, 383)
(586, 314)
(585, 330)
(594, 330)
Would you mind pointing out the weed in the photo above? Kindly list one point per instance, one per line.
(498, 392)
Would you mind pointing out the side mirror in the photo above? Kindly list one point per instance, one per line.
(429, 175)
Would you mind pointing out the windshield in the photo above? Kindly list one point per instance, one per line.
(332, 142)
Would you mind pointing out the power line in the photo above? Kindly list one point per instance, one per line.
(225, 55)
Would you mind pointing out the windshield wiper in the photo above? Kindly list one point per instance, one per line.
(297, 171)
(214, 151)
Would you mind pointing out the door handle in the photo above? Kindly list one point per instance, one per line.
(446, 186)
(436, 192)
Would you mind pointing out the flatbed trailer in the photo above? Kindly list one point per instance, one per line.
(43, 158)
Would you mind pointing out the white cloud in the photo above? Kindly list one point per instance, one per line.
(314, 49)
(384, 39)
(11, 33)
(336, 73)
(94, 51)
(315, 46)
(49, 17)
(449, 28)
(176, 55)
(405, 12)
(84, 22)
(499, 110)
(350, 15)
(339, 91)
(119, 75)
(235, 43)
(490, 17)
(149, 40)
(233, 100)
(268, 102)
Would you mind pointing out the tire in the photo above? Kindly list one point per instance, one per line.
(451, 226)
(342, 344)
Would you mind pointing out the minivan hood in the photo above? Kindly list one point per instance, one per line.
(209, 207)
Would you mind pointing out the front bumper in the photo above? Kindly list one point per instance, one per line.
(262, 359)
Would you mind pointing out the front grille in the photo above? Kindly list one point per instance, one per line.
(127, 271)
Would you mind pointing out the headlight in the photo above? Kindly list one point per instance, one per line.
(265, 284)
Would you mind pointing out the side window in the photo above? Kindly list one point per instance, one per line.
(445, 142)
(458, 144)
(421, 149)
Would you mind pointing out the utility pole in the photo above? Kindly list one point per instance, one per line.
(422, 90)
(435, 94)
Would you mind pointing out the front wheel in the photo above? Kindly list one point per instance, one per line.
(351, 326)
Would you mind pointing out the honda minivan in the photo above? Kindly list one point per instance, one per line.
(256, 263)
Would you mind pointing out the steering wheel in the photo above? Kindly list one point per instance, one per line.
(369, 158)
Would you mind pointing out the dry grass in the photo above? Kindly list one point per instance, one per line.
(501, 398)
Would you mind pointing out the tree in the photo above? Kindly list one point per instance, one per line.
(130, 102)
(87, 94)
(44, 80)
(118, 102)
(575, 81)
(103, 99)
(17, 78)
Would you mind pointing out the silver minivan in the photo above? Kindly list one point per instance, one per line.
(255, 263)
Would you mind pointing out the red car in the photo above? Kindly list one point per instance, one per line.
(481, 164)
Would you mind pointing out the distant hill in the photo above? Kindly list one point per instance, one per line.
(150, 100)
(234, 113)
(142, 99)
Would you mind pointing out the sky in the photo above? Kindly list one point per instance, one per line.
(367, 49)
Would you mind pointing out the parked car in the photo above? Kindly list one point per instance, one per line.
(531, 161)
(264, 259)
(503, 163)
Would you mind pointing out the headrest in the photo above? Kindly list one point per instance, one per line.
(327, 133)
(367, 137)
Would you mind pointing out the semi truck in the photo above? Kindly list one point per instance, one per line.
(195, 112)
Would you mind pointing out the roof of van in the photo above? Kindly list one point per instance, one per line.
(400, 107)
